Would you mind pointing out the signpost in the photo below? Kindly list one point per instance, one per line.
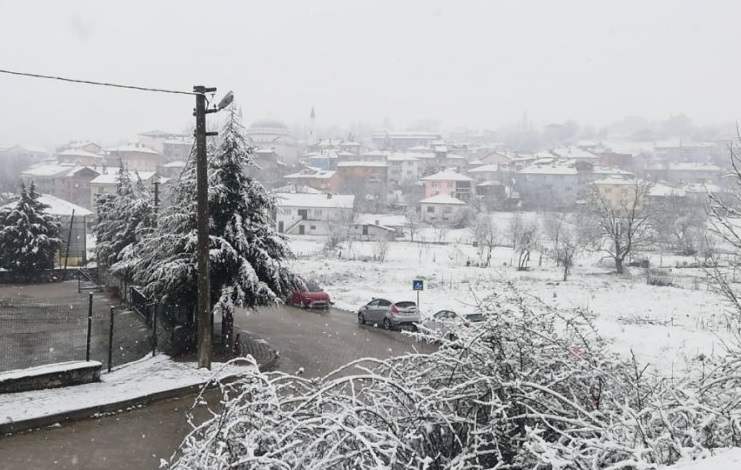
(418, 285)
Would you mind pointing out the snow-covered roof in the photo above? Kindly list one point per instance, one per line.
(385, 220)
(491, 167)
(339, 201)
(616, 180)
(112, 177)
(402, 157)
(60, 207)
(316, 174)
(443, 199)
(362, 163)
(490, 183)
(664, 190)
(133, 148)
(79, 153)
(175, 164)
(447, 175)
(51, 170)
(297, 189)
(549, 170)
(574, 152)
(420, 149)
(375, 153)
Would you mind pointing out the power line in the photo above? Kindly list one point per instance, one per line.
(91, 82)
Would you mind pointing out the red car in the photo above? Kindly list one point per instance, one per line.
(312, 296)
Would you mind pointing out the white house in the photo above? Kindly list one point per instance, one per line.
(311, 214)
(107, 183)
(441, 208)
(403, 168)
(373, 226)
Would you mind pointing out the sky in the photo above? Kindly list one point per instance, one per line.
(472, 63)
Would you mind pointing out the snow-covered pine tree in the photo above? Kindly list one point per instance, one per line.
(246, 253)
(122, 219)
(29, 236)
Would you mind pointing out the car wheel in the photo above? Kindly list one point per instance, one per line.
(361, 318)
(304, 304)
(386, 324)
(415, 327)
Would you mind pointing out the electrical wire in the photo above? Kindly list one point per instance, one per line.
(91, 82)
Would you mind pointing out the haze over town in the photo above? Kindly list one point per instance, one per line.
(477, 64)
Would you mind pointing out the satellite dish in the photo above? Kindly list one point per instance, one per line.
(225, 101)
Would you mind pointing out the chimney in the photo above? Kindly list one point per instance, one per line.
(329, 195)
(377, 223)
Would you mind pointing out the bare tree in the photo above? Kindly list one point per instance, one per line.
(680, 223)
(413, 221)
(567, 240)
(524, 238)
(484, 233)
(622, 222)
(380, 248)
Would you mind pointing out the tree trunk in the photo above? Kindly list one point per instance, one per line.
(565, 272)
(619, 265)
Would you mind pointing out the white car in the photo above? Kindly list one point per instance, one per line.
(446, 323)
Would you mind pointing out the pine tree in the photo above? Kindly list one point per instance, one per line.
(29, 237)
(122, 220)
(246, 252)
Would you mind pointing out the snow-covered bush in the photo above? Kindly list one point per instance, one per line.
(530, 388)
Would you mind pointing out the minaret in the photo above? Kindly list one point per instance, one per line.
(312, 123)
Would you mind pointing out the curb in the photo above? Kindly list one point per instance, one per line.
(265, 356)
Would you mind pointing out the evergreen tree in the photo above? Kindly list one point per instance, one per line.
(122, 219)
(246, 252)
(29, 237)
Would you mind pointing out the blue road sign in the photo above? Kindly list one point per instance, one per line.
(418, 284)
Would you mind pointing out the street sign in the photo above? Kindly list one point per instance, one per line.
(418, 284)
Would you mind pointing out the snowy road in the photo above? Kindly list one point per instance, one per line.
(318, 342)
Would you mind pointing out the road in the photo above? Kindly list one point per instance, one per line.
(318, 342)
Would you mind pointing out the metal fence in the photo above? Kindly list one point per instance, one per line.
(171, 324)
(41, 331)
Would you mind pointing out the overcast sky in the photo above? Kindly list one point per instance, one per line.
(466, 63)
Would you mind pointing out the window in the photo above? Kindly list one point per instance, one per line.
(318, 212)
(313, 227)
(608, 190)
(447, 210)
(568, 189)
(287, 211)
(430, 209)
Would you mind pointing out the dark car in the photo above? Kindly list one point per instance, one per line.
(310, 296)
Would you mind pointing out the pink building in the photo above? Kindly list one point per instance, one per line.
(449, 182)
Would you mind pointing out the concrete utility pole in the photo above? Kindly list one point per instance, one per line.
(203, 316)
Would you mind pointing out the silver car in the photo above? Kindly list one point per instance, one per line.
(389, 314)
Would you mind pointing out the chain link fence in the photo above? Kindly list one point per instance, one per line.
(41, 331)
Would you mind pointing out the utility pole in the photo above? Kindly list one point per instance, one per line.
(203, 315)
(156, 184)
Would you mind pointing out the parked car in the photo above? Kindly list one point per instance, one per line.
(389, 314)
(312, 296)
(446, 323)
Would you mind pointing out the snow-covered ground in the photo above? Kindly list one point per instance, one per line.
(664, 326)
(142, 378)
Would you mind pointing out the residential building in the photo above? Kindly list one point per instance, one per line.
(449, 182)
(440, 208)
(81, 158)
(135, 157)
(403, 168)
(312, 214)
(68, 182)
(172, 146)
(372, 226)
(620, 193)
(684, 172)
(391, 140)
(554, 185)
(323, 180)
(362, 173)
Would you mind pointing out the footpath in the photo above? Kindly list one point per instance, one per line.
(128, 386)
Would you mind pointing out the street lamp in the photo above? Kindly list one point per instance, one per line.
(203, 314)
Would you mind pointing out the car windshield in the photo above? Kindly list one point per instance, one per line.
(406, 304)
(475, 317)
(313, 287)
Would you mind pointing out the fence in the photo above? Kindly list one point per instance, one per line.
(171, 324)
(41, 331)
